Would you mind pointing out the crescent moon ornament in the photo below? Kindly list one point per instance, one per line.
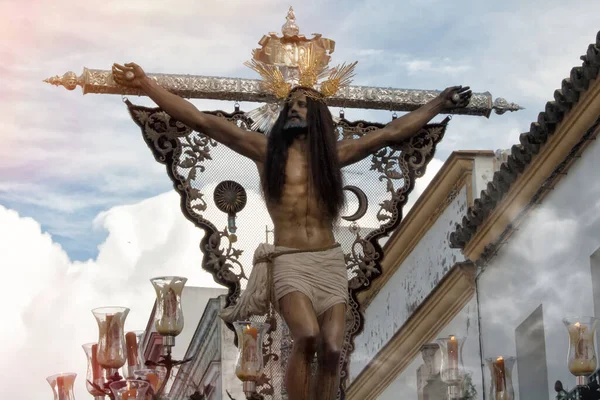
(363, 203)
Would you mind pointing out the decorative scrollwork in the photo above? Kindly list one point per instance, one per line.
(361, 260)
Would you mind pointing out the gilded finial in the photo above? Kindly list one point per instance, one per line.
(290, 28)
(69, 80)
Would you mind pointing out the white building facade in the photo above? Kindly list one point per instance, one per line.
(498, 250)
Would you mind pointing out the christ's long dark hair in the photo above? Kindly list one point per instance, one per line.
(325, 173)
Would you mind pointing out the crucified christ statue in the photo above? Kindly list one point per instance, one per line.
(299, 164)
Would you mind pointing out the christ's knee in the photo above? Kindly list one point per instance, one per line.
(307, 342)
(331, 351)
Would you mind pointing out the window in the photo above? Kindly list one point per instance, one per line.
(531, 357)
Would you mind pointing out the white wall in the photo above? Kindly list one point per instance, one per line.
(463, 325)
(193, 304)
(547, 261)
(411, 283)
(229, 354)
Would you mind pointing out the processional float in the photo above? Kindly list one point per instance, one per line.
(386, 179)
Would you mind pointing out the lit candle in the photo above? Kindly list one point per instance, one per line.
(60, 388)
(252, 331)
(582, 363)
(500, 375)
(132, 349)
(129, 393)
(453, 353)
(167, 324)
(250, 366)
(97, 375)
(152, 379)
(112, 328)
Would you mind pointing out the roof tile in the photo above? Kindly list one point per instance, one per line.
(530, 144)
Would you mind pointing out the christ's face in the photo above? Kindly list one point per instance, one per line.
(296, 116)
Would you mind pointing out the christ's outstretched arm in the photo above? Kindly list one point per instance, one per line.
(247, 143)
(354, 150)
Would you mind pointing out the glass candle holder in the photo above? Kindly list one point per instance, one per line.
(249, 367)
(154, 377)
(451, 368)
(169, 316)
(129, 389)
(135, 360)
(111, 340)
(501, 387)
(582, 361)
(62, 385)
(95, 373)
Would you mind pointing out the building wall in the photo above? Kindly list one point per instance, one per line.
(229, 353)
(544, 273)
(193, 303)
(410, 284)
(205, 350)
(406, 387)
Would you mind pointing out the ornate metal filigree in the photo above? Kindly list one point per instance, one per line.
(185, 153)
(360, 260)
(237, 89)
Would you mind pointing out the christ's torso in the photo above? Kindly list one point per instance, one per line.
(299, 221)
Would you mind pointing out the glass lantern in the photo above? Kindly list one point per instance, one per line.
(95, 373)
(501, 387)
(112, 353)
(135, 359)
(582, 361)
(452, 369)
(169, 316)
(62, 385)
(129, 390)
(249, 367)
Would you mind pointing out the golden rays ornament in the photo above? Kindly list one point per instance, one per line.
(340, 77)
(293, 60)
(273, 80)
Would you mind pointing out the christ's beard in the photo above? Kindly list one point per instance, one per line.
(295, 127)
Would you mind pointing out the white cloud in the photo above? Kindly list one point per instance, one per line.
(443, 66)
(48, 297)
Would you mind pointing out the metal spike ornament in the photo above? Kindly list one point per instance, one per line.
(230, 197)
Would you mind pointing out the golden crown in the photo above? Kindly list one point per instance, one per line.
(294, 60)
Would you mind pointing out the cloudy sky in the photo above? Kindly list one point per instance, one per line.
(86, 214)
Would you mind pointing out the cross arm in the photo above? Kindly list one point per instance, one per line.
(239, 89)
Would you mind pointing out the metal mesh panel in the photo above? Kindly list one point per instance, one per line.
(197, 164)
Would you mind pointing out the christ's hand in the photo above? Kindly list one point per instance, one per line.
(455, 97)
(130, 75)
(249, 144)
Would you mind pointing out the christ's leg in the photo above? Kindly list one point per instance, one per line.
(332, 323)
(299, 315)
